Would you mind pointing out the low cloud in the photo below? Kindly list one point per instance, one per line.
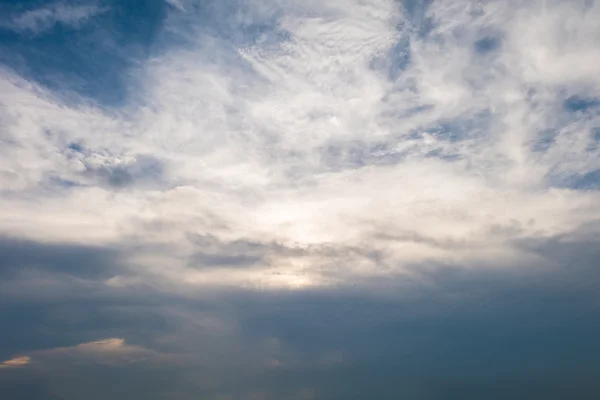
(113, 351)
(16, 362)
(106, 351)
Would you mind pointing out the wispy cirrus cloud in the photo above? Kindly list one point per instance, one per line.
(38, 20)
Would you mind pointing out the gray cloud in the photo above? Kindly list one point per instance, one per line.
(452, 332)
(18, 256)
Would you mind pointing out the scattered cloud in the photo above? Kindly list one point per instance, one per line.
(38, 20)
(15, 362)
(113, 351)
(177, 4)
(107, 351)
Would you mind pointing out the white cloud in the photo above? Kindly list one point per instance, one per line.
(41, 19)
(318, 150)
(177, 4)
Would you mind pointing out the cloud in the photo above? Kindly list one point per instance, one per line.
(38, 20)
(435, 327)
(106, 351)
(177, 4)
(113, 351)
(15, 362)
(309, 143)
(86, 60)
(306, 190)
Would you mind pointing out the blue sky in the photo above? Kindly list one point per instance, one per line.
(283, 199)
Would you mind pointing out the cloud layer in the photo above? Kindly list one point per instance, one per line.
(169, 170)
(313, 135)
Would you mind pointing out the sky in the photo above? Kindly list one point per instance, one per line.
(299, 199)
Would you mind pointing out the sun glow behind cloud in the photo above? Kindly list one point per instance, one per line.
(309, 144)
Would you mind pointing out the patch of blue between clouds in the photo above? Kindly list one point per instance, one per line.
(463, 128)
(96, 58)
(417, 24)
(544, 141)
(143, 171)
(577, 105)
(54, 182)
(587, 181)
(487, 44)
(357, 154)
(93, 58)
(416, 14)
(577, 181)
(581, 104)
(395, 61)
